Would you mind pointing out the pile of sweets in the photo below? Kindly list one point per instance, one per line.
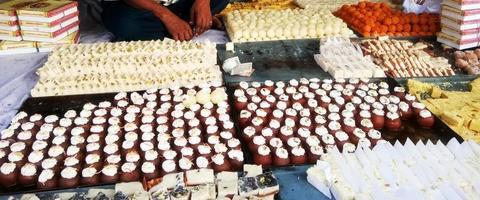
(342, 59)
(468, 61)
(402, 58)
(126, 66)
(259, 5)
(135, 136)
(460, 110)
(332, 5)
(296, 122)
(203, 184)
(460, 22)
(410, 171)
(377, 19)
(266, 25)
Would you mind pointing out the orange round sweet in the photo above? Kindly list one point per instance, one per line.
(425, 28)
(407, 27)
(392, 28)
(384, 29)
(399, 27)
(362, 4)
(415, 19)
(387, 21)
(423, 20)
(367, 28)
(416, 28)
(395, 20)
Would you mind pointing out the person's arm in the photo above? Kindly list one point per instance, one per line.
(201, 16)
(179, 29)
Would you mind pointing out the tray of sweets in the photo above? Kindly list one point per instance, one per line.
(280, 128)
(74, 141)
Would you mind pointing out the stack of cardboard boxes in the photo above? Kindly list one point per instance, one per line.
(460, 22)
(41, 24)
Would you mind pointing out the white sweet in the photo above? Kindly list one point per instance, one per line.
(266, 24)
(126, 66)
(410, 171)
(342, 59)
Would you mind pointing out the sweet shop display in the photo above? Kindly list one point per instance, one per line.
(379, 19)
(403, 58)
(126, 66)
(133, 136)
(203, 184)
(294, 123)
(342, 59)
(468, 61)
(460, 22)
(266, 25)
(410, 171)
(458, 109)
(392, 111)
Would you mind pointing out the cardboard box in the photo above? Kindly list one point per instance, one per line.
(50, 46)
(459, 24)
(9, 28)
(50, 37)
(52, 29)
(457, 43)
(462, 34)
(47, 11)
(10, 33)
(60, 21)
(462, 4)
(464, 15)
(11, 47)
(8, 8)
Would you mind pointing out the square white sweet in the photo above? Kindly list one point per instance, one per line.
(252, 170)
(199, 176)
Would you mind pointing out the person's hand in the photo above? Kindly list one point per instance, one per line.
(179, 29)
(201, 16)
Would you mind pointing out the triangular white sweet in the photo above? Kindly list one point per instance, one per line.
(378, 193)
(448, 192)
(385, 170)
(407, 192)
(324, 189)
(475, 147)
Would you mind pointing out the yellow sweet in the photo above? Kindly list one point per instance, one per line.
(451, 118)
(458, 109)
(436, 92)
(475, 125)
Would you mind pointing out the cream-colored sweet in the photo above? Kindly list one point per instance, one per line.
(115, 67)
(257, 25)
(89, 172)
